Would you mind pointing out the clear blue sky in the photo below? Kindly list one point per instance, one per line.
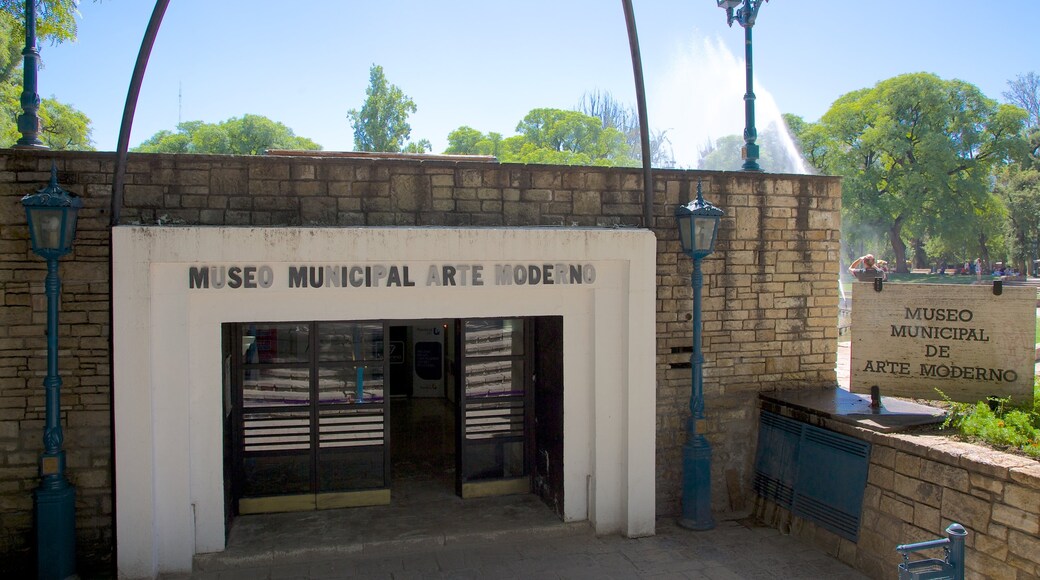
(487, 63)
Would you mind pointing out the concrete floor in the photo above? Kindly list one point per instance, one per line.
(428, 532)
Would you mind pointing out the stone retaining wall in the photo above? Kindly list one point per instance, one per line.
(919, 484)
(770, 294)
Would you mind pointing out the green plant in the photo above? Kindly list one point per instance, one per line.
(996, 422)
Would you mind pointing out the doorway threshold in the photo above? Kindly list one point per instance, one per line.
(402, 527)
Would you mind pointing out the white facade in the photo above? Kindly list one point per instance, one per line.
(168, 395)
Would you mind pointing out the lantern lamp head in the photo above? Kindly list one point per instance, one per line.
(698, 226)
(52, 214)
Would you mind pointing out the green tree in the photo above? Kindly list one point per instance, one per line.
(382, 122)
(55, 19)
(62, 126)
(916, 153)
(468, 141)
(566, 137)
(1020, 192)
(1024, 92)
(418, 147)
(246, 135)
(549, 136)
(616, 115)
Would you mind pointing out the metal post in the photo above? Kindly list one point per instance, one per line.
(750, 133)
(957, 534)
(29, 120)
(55, 498)
(696, 486)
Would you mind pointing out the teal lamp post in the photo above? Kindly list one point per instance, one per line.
(744, 12)
(29, 120)
(698, 230)
(52, 213)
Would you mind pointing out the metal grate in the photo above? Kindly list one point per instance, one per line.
(357, 427)
(276, 431)
(818, 474)
(777, 458)
(494, 418)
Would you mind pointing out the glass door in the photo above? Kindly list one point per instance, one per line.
(494, 413)
(308, 412)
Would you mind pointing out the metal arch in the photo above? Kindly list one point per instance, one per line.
(123, 146)
(644, 124)
(130, 107)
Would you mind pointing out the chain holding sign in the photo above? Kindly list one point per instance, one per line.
(912, 340)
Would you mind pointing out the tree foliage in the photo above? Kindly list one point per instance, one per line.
(549, 136)
(55, 19)
(916, 153)
(1024, 92)
(382, 122)
(616, 115)
(62, 126)
(1020, 192)
(468, 141)
(559, 137)
(246, 135)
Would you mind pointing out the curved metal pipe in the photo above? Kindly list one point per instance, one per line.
(148, 41)
(644, 125)
(130, 107)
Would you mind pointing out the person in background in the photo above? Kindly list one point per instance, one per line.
(865, 268)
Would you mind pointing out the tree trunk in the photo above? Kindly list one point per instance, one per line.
(920, 256)
(984, 252)
(898, 246)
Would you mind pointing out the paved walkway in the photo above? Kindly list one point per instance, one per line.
(730, 551)
(430, 533)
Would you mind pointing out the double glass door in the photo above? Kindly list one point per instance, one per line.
(309, 413)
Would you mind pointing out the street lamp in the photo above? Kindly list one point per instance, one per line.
(698, 229)
(29, 120)
(51, 213)
(744, 12)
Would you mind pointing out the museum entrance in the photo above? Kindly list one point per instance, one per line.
(335, 414)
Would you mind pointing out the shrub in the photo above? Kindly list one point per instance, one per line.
(996, 422)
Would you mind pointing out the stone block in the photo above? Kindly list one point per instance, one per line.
(1027, 475)
(983, 566)
(1025, 546)
(917, 490)
(303, 172)
(909, 464)
(992, 463)
(269, 170)
(965, 509)
(927, 517)
(897, 507)
(995, 547)
(1022, 498)
(883, 456)
(1017, 519)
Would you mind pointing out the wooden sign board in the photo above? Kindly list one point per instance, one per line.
(911, 339)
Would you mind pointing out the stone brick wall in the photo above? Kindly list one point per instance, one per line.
(770, 293)
(917, 485)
